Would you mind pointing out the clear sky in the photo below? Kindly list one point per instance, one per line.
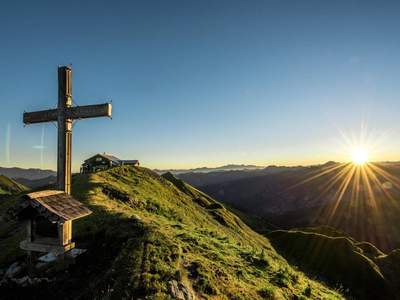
(197, 83)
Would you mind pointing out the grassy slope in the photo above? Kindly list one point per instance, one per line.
(360, 267)
(193, 239)
(10, 234)
(147, 231)
(10, 187)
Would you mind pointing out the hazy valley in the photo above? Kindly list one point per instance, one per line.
(308, 196)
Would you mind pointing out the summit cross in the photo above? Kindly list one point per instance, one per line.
(64, 115)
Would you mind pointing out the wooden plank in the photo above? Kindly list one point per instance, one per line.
(64, 115)
(68, 232)
(64, 129)
(43, 116)
(29, 230)
(68, 165)
(44, 193)
(57, 204)
(89, 111)
(61, 230)
(38, 247)
(65, 84)
(65, 234)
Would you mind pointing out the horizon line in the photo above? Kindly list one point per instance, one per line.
(227, 165)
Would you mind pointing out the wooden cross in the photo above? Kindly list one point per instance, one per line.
(64, 115)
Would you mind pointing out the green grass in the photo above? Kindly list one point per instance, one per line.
(10, 232)
(360, 268)
(148, 231)
(10, 187)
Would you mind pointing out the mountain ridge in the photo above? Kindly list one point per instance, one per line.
(156, 237)
(31, 173)
(228, 167)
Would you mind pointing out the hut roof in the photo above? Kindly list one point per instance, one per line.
(55, 205)
(106, 156)
(130, 161)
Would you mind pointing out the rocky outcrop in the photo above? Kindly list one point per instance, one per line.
(180, 292)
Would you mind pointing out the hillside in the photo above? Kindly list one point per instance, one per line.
(37, 183)
(363, 270)
(309, 196)
(10, 187)
(154, 237)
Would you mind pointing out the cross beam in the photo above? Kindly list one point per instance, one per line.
(64, 115)
(74, 113)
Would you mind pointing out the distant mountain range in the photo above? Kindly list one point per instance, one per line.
(230, 167)
(37, 183)
(309, 196)
(273, 190)
(32, 178)
(31, 174)
(200, 179)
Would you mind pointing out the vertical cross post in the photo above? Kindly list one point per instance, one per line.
(64, 115)
(64, 151)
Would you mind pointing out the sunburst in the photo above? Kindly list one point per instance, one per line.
(359, 156)
(361, 182)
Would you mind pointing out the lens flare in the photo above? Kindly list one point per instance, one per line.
(359, 156)
(41, 147)
(8, 144)
(355, 195)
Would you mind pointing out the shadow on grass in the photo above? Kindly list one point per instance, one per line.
(335, 260)
(104, 235)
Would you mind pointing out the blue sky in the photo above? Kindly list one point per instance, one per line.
(197, 83)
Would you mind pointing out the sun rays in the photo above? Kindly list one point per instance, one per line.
(354, 193)
(359, 155)
(362, 180)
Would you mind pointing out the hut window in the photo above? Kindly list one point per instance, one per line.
(45, 228)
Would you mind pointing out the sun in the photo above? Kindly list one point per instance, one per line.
(359, 156)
